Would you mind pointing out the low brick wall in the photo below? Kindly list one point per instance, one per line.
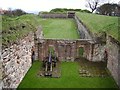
(16, 61)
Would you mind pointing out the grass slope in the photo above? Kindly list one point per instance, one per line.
(69, 78)
(99, 23)
(59, 28)
(14, 28)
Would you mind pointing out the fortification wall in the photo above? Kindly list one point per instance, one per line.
(64, 49)
(98, 52)
(113, 63)
(16, 61)
(83, 31)
(109, 53)
(54, 15)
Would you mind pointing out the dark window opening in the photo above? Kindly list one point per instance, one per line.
(81, 51)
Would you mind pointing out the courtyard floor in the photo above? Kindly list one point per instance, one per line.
(70, 78)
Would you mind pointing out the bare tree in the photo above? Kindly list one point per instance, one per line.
(92, 4)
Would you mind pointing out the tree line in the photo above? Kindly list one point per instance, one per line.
(110, 9)
(16, 12)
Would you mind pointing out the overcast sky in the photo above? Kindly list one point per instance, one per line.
(44, 5)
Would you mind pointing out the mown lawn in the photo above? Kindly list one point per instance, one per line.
(69, 78)
(99, 23)
(59, 28)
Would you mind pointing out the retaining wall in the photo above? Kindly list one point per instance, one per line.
(16, 61)
(53, 15)
(84, 34)
(113, 63)
(112, 49)
(64, 49)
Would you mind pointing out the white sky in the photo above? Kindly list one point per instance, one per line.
(44, 5)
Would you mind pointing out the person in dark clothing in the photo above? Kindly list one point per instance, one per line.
(33, 54)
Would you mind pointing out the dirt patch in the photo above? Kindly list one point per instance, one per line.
(92, 69)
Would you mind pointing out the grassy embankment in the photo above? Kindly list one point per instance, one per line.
(99, 23)
(14, 28)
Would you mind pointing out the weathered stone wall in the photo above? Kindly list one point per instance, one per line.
(98, 52)
(84, 34)
(54, 15)
(112, 49)
(64, 49)
(38, 35)
(0, 75)
(16, 61)
(113, 63)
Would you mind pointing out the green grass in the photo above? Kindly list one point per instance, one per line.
(52, 28)
(69, 79)
(99, 23)
(59, 28)
(12, 27)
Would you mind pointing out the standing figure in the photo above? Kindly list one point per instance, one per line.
(33, 54)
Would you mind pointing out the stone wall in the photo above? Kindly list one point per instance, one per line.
(113, 63)
(84, 34)
(64, 49)
(98, 52)
(16, 61)
(53, 15)
(112, 49)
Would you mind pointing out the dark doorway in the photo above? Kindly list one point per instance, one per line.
(105, 57)
(81, 51)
